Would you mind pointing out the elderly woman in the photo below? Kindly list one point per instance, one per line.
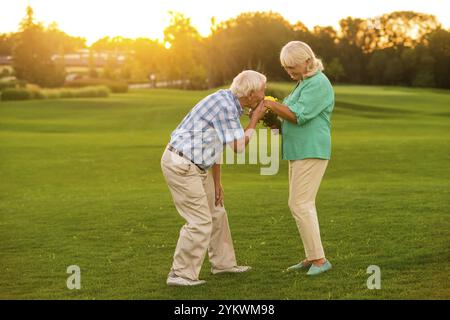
(191, 167)
(306, 145)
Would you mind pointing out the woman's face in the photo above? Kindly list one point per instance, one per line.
(296, 72)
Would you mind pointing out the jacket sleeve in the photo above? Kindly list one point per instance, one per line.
(312, 101)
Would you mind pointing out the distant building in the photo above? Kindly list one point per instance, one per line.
(76, 63)
(5, 61)
(82, 58)
(6, 69)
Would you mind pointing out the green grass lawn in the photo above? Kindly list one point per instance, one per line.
(81, 185)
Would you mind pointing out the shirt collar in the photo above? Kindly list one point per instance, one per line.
(237, 103)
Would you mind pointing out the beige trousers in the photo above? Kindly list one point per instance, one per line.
(206, 227)
(304, 181)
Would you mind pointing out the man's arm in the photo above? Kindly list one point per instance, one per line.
(238, 146)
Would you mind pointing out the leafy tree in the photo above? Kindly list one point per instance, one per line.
(324, 42)
(398, 48)
(393, 70)
(62, 41)
(334, 70)
(249, 41)
(6, 44)
(350, 50)
(438, 43)
(148, 55)
(376, 66)
(33, 52)
(185, 55)
(114, 44)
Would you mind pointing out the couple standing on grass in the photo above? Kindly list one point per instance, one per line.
(192, 173)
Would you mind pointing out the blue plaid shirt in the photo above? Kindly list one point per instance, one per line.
(208, 127)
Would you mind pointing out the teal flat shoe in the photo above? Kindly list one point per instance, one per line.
(315, 270)
(298, 266)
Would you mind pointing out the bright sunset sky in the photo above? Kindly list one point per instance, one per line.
(94, 19)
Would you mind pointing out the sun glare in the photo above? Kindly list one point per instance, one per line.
(94, 19)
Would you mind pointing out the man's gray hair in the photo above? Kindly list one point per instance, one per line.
(246, 82)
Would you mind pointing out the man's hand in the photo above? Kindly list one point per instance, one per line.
(259, 111)
(219, 195)
(256, 115)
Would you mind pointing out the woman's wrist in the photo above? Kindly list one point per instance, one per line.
(268, 104)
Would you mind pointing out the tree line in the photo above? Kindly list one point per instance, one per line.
(399, 48)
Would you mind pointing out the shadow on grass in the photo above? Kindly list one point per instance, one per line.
(363, 110)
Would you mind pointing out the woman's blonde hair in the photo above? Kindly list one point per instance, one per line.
(297, 53)
(246, 82)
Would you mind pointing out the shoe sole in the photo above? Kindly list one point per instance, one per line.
(230, 272)
(184, 285)
(175, 284)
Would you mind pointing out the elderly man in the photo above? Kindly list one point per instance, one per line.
(190, 167)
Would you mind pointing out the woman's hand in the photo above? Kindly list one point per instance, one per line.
(281, 110)
(219, 194)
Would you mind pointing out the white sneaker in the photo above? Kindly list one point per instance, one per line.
(235, 269)
(173, 280)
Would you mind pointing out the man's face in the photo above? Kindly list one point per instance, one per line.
(256, 97)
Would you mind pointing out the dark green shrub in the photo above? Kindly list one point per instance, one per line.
(280, 94)
(6, 85)
(88, 92)
(16, 94)
(26, 94)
